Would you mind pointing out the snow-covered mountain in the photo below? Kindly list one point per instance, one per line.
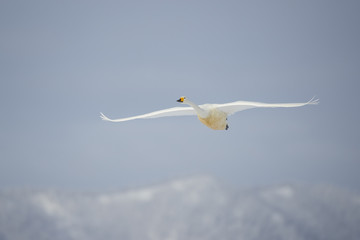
(192, 208)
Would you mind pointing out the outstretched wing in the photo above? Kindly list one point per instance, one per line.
(175, 111)
(231, 108)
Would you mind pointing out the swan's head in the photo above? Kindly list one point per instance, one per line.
(181, 100)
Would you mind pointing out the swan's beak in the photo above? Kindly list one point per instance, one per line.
(180, 100)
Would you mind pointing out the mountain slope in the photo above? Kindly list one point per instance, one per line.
(192, 208)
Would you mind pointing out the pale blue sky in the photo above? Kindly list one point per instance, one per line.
(62, 62)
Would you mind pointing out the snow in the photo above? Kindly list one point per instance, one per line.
(190, 208)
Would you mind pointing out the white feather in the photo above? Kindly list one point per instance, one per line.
(234, 107)
(175, 111)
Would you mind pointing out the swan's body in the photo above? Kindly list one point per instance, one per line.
(212, 115)
(216, 119)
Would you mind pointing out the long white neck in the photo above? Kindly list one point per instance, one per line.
(200, 112)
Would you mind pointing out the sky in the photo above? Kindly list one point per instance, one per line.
(64, 62)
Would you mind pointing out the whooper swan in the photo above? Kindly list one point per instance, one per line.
(213, 116)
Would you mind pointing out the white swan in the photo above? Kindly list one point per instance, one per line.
(212, 115)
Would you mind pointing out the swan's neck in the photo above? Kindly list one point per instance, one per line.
(200, 112)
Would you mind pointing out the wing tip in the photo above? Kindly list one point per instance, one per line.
(103, 117)
(314, 101)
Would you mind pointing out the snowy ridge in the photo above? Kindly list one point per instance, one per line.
(191, 208)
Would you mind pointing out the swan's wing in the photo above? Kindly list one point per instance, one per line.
(231, 108)
(176, 111)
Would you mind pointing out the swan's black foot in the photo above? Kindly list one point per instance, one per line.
(227, 127)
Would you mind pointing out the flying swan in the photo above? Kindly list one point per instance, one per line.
(213, 116)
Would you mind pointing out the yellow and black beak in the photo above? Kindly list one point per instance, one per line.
(181, 99)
